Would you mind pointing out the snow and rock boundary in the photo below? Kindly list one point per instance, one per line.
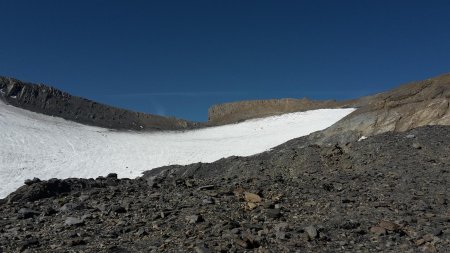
(37, 145)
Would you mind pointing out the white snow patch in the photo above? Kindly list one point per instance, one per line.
(36, 145)
(362, 138)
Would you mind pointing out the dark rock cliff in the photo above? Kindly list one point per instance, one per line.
(50, 101)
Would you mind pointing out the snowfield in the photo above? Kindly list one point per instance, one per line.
(36, 145)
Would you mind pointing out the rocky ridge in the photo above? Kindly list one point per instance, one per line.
(243, 110)
(387, 193)
(50, 101)
(407, 107)
(412, 105)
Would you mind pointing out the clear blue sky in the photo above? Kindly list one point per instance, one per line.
(179, 57)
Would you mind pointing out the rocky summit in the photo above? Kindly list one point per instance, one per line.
(386, 193)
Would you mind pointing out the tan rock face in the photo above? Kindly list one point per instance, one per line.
(243, 110)
(406, 107)
(409, 106)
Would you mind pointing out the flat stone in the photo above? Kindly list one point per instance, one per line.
(312, 232)
(251, 206)
(428, 238)
(420, 242)
(251, 197)
(68, 207)
(208, 201)
(25, 213)
(72, 221)
(378, 230)
(206, 187)
(417, 146)
(388, 225)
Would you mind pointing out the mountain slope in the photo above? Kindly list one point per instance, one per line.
(387, 193)
(53, 102)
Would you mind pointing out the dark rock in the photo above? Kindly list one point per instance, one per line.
(77, 242)
(438, 232)
(32, 181)
(25, 213)
(350, 225)
(30, 243)
(40, 190)
(141, 232)
(112, 175)
(273, 213)
(48, 211)
(117, 249)
(118, 209)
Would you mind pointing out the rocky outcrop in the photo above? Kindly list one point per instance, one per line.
(50, 101)
(406, 107)
(239, 111)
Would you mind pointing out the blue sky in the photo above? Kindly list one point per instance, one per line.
(178, 58)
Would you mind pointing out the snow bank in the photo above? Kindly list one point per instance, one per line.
(36, 145)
